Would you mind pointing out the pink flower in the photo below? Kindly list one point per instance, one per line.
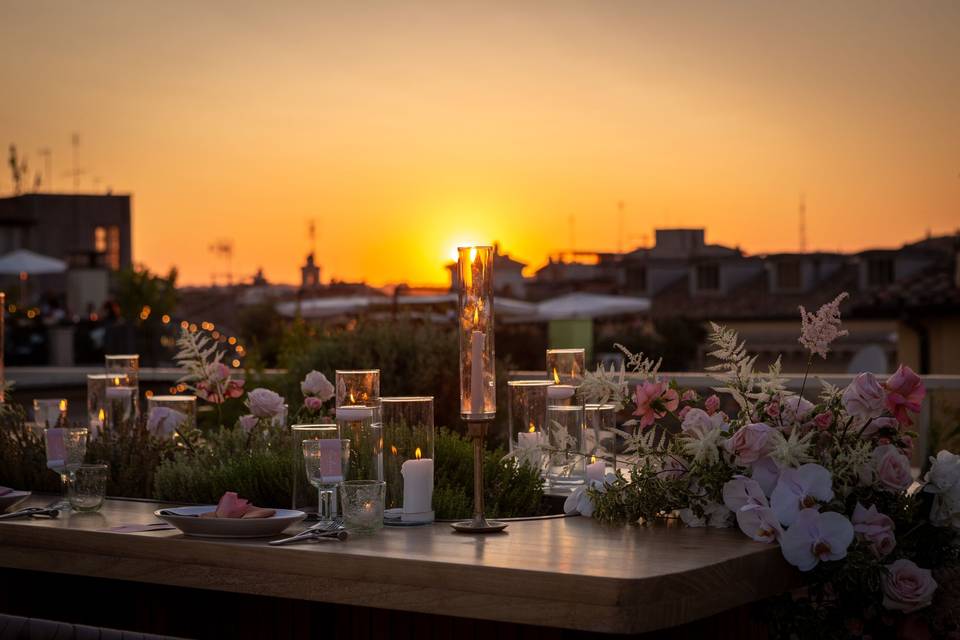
(712, 404)
(654, 400)
(818, 330)
(689, 396)
(802, 488)
(163, 421)
(218, 372)
(875, 425)
(816, 537)
(316, 384)
(892, 468)
(823, 420)
(907, 587)
(875, 528)
(232, 506)
(773, 409)
(682, 414)
(905, 391)
(750, 443)
(312, 403)
(218, 392)
(265, 403)
(863, 397)
(248, 422)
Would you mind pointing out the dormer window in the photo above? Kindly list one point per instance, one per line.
(789, 275)
(879, 272)
(708, 277)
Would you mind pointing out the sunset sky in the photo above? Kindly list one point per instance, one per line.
(405, 128)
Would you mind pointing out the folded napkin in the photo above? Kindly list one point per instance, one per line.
(5, 490)
(232, 506)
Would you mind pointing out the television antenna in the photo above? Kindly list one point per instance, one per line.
(47, 156)
(223, 248)
(803, 223)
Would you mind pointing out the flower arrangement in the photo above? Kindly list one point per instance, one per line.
(830, 481)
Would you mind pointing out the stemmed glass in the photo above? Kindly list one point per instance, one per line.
(66, 448)
(326, 461)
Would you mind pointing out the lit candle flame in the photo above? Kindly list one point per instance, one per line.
(101, 416)
(63, 405)
(116, 381)
(476, 316)
(532, 427)
(556, 376)
(393, 449)
(417, 453)
(593, 459)
(352, 399)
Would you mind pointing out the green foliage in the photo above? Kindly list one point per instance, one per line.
(138, 288)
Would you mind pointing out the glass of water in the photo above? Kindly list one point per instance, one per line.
(326, 461)
(89, 486)
(66, 448)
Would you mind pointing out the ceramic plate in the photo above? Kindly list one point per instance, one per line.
(188, 521)
(10, 501)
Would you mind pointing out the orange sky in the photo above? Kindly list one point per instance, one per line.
(405, 128)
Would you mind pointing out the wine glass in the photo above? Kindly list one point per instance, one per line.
(66, 448)
(326, 461)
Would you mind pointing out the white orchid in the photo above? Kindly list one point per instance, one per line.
(800, 489)
(579, 501)
(816, 537)
(767, 473)
(756, 519)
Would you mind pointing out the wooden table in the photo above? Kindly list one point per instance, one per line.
(567, 573)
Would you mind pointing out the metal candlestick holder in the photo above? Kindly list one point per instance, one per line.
(477, 430)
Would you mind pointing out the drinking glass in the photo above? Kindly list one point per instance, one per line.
(363, 505)
(50, 411)
(326, 462)
(89, 487)
(567, 464)
(66, 448)
(300, 490)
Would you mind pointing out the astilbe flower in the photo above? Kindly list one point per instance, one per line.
(818, 330)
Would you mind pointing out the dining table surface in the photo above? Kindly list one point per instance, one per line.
(563, 572)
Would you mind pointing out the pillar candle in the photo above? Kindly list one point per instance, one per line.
(417, 485)
(477, 340)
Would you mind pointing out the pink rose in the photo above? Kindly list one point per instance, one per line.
(892, 468)
(316, 384)
(773, 409)
(864, 397)
(875, 528)
(689, 396)
(907, 587)
(312, 403)
(712, 404)
(654, 400)
(218, 372)
(905, 391)
(823, 420)
(248, 422)
(750, 443)
(265, 403)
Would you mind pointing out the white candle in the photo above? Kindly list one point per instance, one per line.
(354, 414)
(560, 391)
(120, 393)
(596, 471)
(477, 341)
(417, 485)
(528, 439)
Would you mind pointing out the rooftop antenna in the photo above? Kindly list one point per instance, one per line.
(312, 234)
(47, 156)
(803, 223)
(223, 248)
(571, 221)
(77, 171)
(620, 207)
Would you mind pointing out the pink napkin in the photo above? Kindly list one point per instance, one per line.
(56, 448)
(233, 506)
(5, 490)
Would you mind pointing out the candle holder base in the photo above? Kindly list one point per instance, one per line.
(479, 525)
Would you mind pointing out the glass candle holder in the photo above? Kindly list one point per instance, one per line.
(51, 412)
(88, 487)
(565, 369)
(527, 408)
(358, 387)
(326, 462)
(566, 463)
(125, 370)
(122, 399)
(361, 425)
(478, 399)
(168, 415)
(98, 409)
(599, 438)
(302, 492)
(408, 437)
(362, 502)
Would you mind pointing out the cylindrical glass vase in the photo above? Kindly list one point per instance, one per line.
(98, 409)
(565, 369)
(408, 438)
(527, 408)
(303, 494)
(358, 387)
(361, 425)
(122, 405)
(50, 412)
(169, 415)
(478, 390)
(599, 439)
(566, 463)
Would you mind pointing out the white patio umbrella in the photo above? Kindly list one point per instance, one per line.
(26, 263)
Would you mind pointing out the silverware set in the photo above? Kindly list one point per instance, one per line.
(31, 512)
(322, 531)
